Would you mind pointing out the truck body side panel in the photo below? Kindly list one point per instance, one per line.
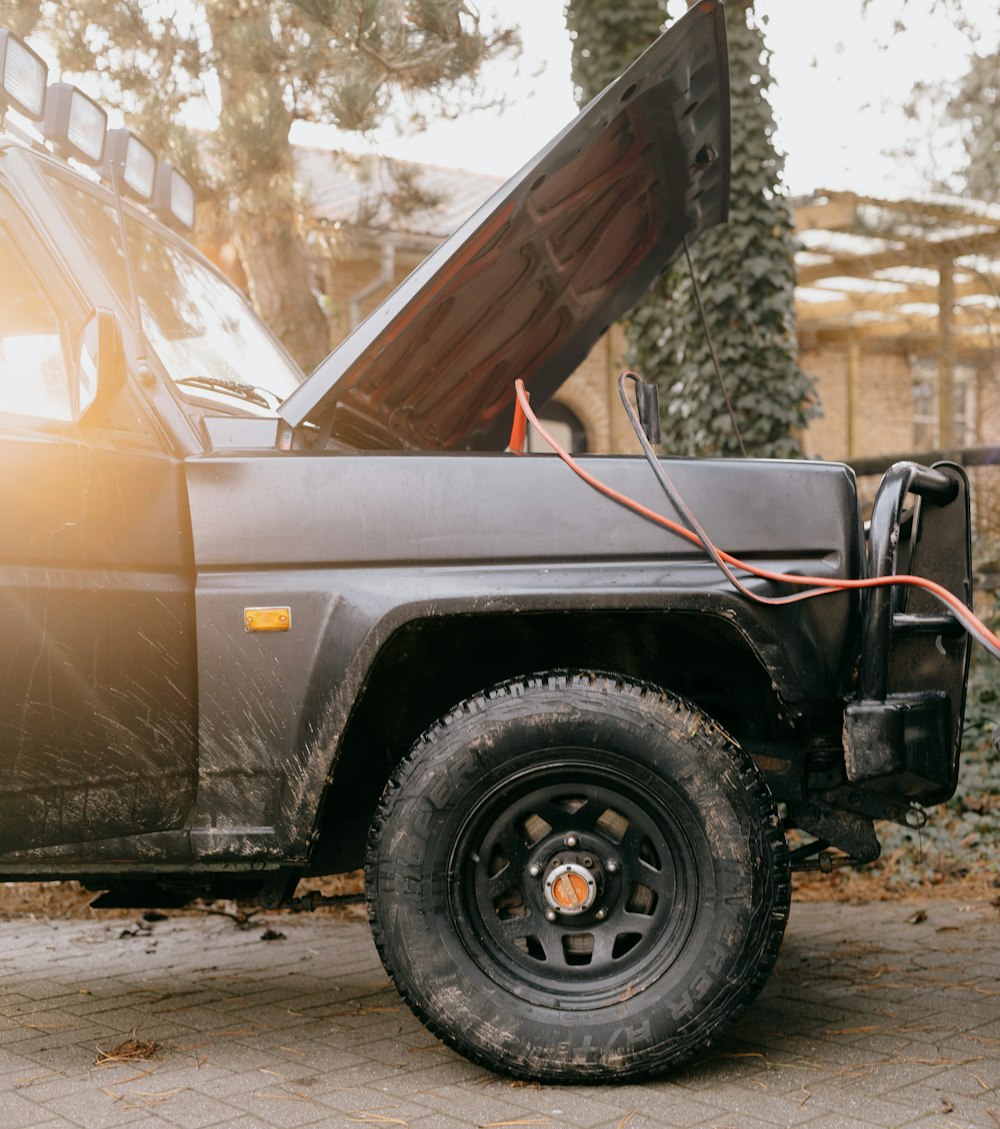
(357, 546)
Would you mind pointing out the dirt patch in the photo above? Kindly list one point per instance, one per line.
(881, 882)
(44, 900)
(858, 887)
(49, 899)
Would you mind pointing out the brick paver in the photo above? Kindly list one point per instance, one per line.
(872, 1018)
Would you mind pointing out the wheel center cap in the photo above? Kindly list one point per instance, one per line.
(570, 888)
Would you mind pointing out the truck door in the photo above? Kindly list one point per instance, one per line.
(97, 655)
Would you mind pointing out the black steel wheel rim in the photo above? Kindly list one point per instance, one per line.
(575, 881)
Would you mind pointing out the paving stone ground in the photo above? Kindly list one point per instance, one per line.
(872, 1018)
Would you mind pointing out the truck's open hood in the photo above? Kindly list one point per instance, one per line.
(527, 285)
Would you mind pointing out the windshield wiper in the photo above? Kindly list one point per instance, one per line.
(246, 392)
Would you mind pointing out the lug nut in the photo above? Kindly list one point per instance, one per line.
(534, 870)
(611, 866)
(571, 841)
(588, 862)
(601, 914)
(550, 915)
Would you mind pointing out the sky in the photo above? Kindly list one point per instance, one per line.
(841, 78)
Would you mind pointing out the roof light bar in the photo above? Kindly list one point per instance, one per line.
(134, 162)
(23, 76)
(173, 197)
(75, 124)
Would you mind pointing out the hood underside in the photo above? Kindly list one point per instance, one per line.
(528, 284)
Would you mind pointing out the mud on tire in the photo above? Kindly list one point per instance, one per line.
(576, 878)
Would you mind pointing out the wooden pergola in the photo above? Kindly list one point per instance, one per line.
(916, 275)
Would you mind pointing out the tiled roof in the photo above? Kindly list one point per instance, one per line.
(358, 191)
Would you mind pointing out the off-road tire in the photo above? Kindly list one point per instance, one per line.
(672, 900)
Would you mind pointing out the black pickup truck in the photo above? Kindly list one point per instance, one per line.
(259, 628)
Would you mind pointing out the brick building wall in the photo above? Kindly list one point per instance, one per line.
(870, 416)
(347, 269)
(591, 393)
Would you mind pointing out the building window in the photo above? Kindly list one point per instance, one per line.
(924, 414)
(565, 428)
(925, 404)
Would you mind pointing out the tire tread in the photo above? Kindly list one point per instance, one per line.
(696, 1044)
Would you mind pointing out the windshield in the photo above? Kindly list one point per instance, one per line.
(201, 327)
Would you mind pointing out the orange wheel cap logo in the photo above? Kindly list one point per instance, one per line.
(570, 891)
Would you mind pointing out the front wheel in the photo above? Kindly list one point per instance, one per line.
(576, 878)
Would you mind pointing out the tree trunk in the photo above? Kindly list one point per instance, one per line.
(258, 167)
(279, 275)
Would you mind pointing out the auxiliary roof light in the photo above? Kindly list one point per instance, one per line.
(23, 76)
(173, 196)
(135, 163)
(75, 124)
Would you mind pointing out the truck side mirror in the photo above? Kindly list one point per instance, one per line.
(101, 361)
